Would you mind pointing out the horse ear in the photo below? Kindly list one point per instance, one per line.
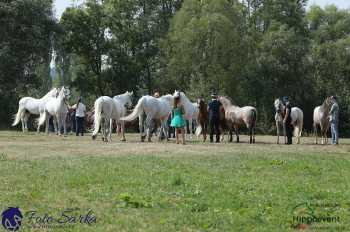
(131, 93)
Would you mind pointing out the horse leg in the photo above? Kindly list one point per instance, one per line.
(141, 126)
(26, 117)
(190, 123)
(322, 134)
(253, 132)
(110, 129)
(278, 131)
(236, 132)
(164, 128)
(230, 135)
(148, 129)
(47, 124)
(103, 129)
(250, 135)
(315, 132)
(55, 124)
(64, 125)
(122, 130)
(38, 128)
(284, 133)
(59, 121)
(23, 127)
(106, 125)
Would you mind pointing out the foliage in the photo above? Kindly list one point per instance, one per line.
(26, 33)
(251, 50)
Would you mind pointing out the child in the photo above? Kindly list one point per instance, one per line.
(178, 122)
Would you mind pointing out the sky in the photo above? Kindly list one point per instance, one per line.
(60, 5)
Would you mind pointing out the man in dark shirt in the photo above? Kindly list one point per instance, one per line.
(214, 117)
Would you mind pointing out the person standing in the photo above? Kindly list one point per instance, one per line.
(214, 117)
(178, 121)
(80, 111)
(287, 121)
(334, 120)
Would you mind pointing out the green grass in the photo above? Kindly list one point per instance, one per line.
(157, 186)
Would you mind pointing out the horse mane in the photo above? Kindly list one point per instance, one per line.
(202, 106)
(166, 96)
(48, 94)
(226, 98)
(183, 95)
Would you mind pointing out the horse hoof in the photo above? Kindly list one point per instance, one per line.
(93, 137)
(123, 140)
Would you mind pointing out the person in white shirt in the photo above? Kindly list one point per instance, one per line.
(80, 111)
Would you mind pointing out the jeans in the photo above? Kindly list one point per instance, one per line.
(335, 132)
(79, 126)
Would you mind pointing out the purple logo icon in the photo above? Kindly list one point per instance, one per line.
(11, 219)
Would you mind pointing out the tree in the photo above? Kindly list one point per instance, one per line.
(26, 33)
(84, 34)
(205, 48)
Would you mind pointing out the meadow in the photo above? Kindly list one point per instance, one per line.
(162, 186)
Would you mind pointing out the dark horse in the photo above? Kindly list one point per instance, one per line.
(202, 118)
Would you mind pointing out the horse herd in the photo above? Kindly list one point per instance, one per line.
(156, 111)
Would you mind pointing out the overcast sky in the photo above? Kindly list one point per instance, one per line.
(60, 5)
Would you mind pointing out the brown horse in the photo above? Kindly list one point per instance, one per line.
(321, 118)
(202, 118)
(237, 116)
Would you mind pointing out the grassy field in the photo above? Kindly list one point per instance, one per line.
(159, 186)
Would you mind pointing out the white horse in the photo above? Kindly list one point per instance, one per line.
(236, 116)
(297, 116)
(107, 109)
(191, 110)
(57, 108)
(29, 105)
(321, 118)
(154, 108)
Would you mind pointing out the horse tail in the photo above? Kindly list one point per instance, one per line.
(298, 129)
(136, 112)
(253, 118)
(97, 116)
(41, 120)
(19, 115)
(198, 130)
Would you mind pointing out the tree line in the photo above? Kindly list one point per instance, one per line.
(252, 51)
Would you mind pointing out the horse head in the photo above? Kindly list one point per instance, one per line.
(224, 101)
(53, 92)
(201, 104)
(278, 105)
(129, 98)
(64, 93)
(177, 94)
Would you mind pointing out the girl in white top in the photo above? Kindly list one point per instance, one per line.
(80, 111)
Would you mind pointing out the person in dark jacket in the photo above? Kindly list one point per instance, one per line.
(287, 121)
(214, 117)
